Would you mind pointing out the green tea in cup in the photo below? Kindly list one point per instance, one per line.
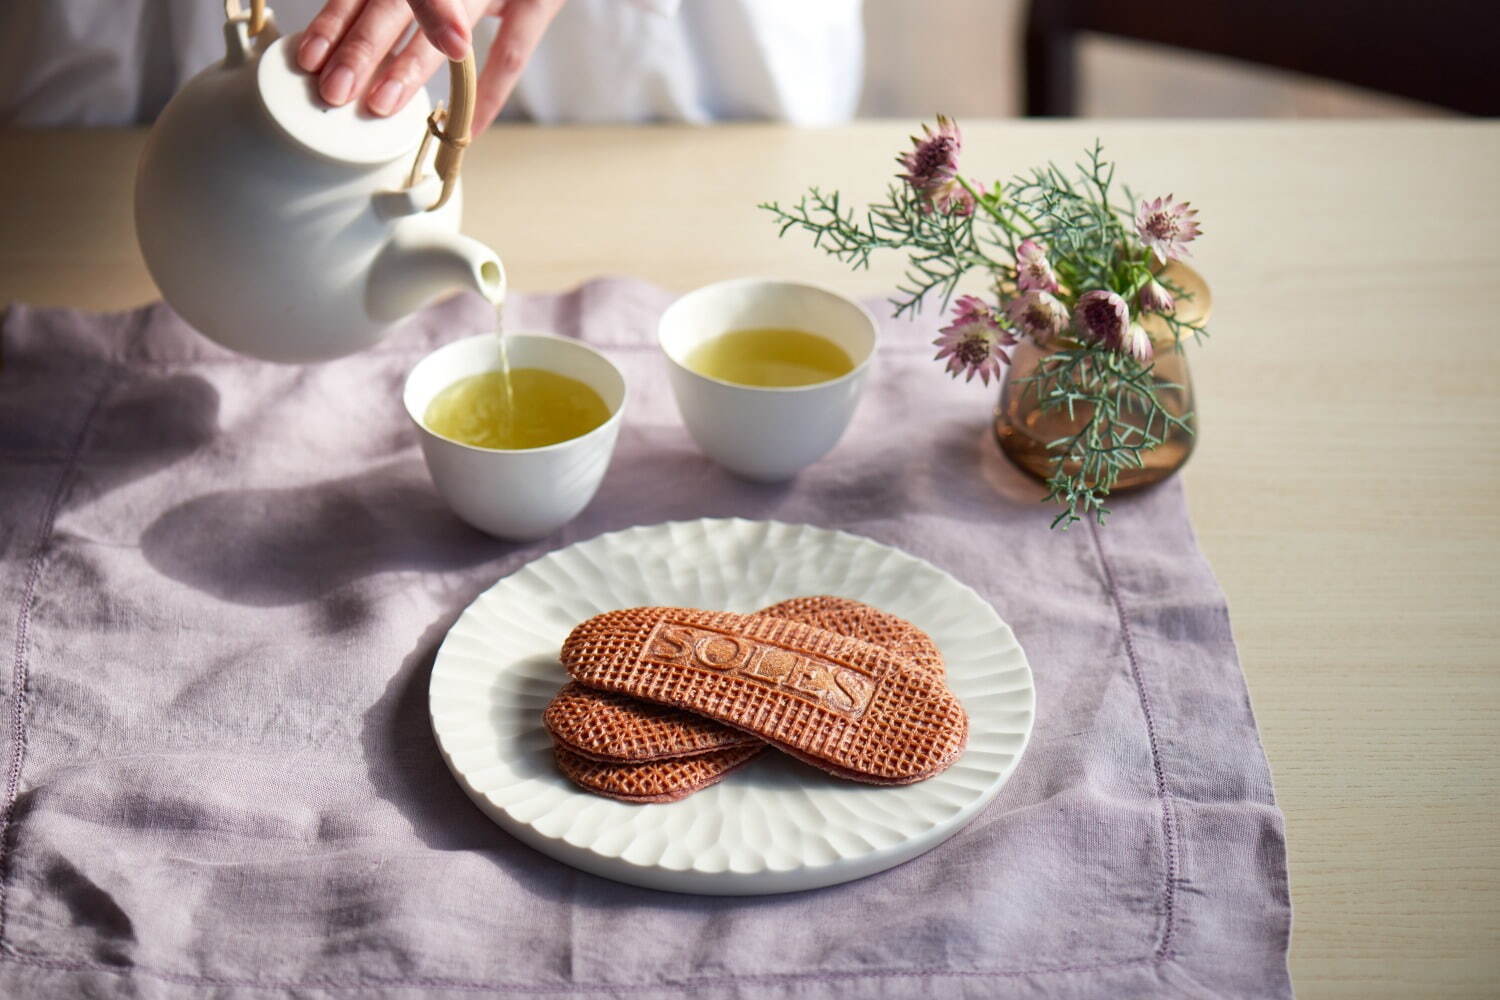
(770, 357)
(535, 409)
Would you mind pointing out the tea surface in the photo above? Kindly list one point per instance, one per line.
(540, 408)
(770, 358)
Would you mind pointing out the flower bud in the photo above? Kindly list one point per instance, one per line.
(1138, 343)
(1154, 297)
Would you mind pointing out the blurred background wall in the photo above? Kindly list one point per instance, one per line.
(964, 58)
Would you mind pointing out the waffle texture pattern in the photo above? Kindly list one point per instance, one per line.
(659, 781)
(859, 620)
(838, 703)
(615, 728)
(618, 729)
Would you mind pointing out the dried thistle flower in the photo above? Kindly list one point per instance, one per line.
(1033, 270)
(1103, 317)
(974, 341)
(1039, 315)
(932, 168)
(1166, 227)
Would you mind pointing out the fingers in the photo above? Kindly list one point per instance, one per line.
(404, 75)
(445, 23)
(361, 49)
(324, 32)
(348, 41)
(522, 23)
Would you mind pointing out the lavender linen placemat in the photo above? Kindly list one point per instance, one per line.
(222, 586)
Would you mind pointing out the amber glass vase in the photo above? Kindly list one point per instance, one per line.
(1023, 430)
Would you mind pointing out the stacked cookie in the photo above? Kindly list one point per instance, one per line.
(665, 701)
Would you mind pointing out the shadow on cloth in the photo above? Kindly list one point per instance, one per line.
(92, 907)
(405, 766)
(275, 547)
(145, 423)
(961, 447)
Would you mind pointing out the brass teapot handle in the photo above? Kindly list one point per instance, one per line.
(256, 18)
(452, 127)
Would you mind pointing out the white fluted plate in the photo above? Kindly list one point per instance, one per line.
(774, 825)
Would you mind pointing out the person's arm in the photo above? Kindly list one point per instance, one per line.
(351, 45)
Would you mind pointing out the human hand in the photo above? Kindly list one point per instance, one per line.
(351, 45)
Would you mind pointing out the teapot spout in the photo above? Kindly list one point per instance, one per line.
(413, 269)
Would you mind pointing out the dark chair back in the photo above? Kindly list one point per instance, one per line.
(1442, 52)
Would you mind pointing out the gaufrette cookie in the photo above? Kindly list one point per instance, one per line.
(848, 706)
(615, 728)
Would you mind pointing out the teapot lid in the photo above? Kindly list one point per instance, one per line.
(348, 133)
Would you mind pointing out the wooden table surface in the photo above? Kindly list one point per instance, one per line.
(1346, 487)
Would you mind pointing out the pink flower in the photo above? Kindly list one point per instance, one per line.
(1154, 297)
(954, 199)
(1032, 268)
(1102, 316)
(1166, 227)
(1138, 343)
(973, 341)
(932, 169)
(1039, 315)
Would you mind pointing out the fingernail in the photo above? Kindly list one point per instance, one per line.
(453, 43)
(338, 85)
(311, 52)
(386, 97)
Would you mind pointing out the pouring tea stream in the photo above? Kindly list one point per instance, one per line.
(291, 231)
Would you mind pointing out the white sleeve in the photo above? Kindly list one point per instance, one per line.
(613, 61)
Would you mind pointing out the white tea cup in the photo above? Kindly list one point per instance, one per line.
(763, 433)
(522, 493)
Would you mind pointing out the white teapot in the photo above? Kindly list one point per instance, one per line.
(292, 231)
